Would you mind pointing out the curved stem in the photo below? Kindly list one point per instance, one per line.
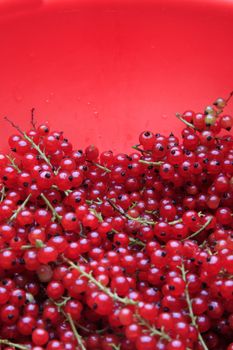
(14, 345)
(200, 229)
(20, 208)
(140, 149)
(122, 212)
(190, 125)
(104, 289)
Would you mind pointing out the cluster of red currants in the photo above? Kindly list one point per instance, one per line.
(118, 251)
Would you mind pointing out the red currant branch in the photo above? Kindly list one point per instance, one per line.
(56, 216)
(140, 149)
(115, 347)
(141, 220)
(107, 170)
(190, 308)
(175, 222)
(133, 241)
(150, 163)
(104, 289)
(3, 193)
(152, 329)
(33, 121)
(122, 212)
(136, 241)
(13, 345)
(90, 202)
(20, 208)
(13, 164)
(33, 144)
(190, 125)
(75, 332)
(96, 214)
(200, 229)
(38, 244)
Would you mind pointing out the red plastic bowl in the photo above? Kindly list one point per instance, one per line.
(102, 71)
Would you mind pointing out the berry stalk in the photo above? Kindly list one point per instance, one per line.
(104, 289)
(20, 208)
(76, 334)
(190, 308)
(13, 345)
(33, 144)
(56, 216)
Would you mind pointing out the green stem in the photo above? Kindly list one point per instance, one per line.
(20, 208)
(37, 148)
(96, 214)
(152, 329)
(190, 308)
(140, 149)
(3, 193)
(13, 164)
(190, 125)
(55, 214)
(104, 168)
(149, 162)
(115, 347)
(200, 229)
(175, 222)
(136, 241)
(121, 211)
(14, 345)
(76, 334)
(33, 144)
(104, 289)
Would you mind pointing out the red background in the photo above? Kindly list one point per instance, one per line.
(102, 71)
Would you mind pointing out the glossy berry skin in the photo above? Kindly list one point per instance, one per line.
(105, 249)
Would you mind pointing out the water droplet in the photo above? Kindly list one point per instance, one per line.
(17, 95)
(164, 116)
(96, 114)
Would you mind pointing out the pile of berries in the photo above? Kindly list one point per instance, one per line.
(103, 251)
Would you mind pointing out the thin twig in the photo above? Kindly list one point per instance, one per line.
(33, 144)
(104, 289)
(200, 229)
(55, 214)
(190, 125)
(3, 193)
(97, 214)
(229, 97)
(140, 149)
(150, 163)
(122, 212)
(33, 120)
(13, 345)
(13, 164)
(190, 308)
(152, 329)
(76, 334)
(20, 208)
(104, 168)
